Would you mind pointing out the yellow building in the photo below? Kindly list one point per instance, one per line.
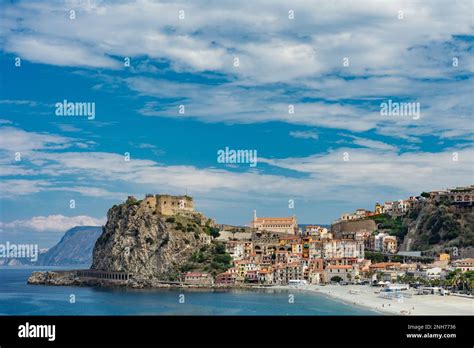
(444, 257)
(378, 209)
(297, 248)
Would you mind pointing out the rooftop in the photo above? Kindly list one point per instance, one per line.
(470, 260)
(274, 219)
(384, 264)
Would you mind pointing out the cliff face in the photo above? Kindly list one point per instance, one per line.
(74, 248)
(437, 226)
(138, 240)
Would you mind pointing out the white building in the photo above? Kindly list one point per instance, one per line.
(235, 249)
(343, 248)
(433, 273)
(464, 264)
(387, 208)
(378, 241)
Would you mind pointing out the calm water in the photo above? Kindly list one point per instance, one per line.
(18, 298)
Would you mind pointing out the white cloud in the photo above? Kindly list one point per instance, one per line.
(272, 47)
(89, 191)
(69, 128)
(304, 134)
(52, 223)
(61, 53)
(282, 62)
(12, 188)
(371, 168)
(377, 169)
(305, 52)
(230, 103)
(372, 144)
(30, 103)
(375, 172)
(14, 139)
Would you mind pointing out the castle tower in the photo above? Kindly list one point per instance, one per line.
(170, 205)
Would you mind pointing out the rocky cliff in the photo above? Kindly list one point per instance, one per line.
(138, 240)
(436, 227)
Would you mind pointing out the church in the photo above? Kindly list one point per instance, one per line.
(275, 224)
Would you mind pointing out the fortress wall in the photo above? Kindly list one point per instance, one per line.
(353, 226)
(170, 205)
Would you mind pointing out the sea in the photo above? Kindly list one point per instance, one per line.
(19, 298)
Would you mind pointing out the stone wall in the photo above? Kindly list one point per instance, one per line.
(227, 235)
(170, 205)
(353, 226)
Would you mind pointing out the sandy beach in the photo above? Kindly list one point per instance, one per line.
(366, 296)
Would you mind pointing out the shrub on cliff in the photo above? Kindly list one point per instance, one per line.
(211, 258)
(212, 231)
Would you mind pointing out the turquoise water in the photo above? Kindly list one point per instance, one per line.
(19, 298)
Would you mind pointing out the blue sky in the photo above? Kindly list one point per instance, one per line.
(403, 56)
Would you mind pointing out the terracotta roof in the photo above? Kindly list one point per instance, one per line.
(384, 264)
(465, 261)
(274, 219)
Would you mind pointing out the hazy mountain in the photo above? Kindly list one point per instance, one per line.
(74, 248)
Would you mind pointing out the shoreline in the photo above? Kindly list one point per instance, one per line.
(366, 297)
(354, 295)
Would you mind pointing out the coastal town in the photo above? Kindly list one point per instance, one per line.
(363, 258)
(277, 251)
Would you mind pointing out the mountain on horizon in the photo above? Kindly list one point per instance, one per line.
(74, 248)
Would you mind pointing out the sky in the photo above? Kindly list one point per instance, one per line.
(301, 83)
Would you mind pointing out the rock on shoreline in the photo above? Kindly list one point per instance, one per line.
(69, 278)
(50, 278)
